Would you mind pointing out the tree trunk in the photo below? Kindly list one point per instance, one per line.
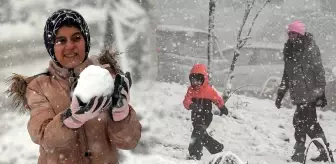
(212, 6)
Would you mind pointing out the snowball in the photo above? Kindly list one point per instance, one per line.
(94, 81)
(224, 158)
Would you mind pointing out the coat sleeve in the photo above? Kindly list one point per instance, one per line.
(284, 84)
(125, 134)
(216, 99)
(44, 126)
(318, 67)
(187, 99)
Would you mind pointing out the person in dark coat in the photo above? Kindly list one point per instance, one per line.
(304, 77)
(199, 99)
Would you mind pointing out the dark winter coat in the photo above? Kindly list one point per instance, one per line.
(47, 96)
(202, 98)
(303, 74)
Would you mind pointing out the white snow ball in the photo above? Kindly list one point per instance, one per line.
(224, 158)
(94, 81)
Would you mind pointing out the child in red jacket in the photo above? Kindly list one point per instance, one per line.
(199, 99)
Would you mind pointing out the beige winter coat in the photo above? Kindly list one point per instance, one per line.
(47, 96)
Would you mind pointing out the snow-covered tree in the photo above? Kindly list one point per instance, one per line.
(241, 41)
(132, 34)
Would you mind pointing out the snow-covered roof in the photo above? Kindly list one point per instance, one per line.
(260, 45)
(179, 28)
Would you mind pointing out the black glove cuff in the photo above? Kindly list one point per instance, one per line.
(109, 110)
(224, 110)
(128, 76)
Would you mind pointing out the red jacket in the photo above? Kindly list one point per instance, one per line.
(206, 92)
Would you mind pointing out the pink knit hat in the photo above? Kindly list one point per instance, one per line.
(297, 26)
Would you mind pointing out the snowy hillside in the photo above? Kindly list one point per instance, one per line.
(255, 130)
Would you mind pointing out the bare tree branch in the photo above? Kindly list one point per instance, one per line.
(256, 16)
(236, 53)
(249, 6)
(241, 43)
(246, 38)
(253, 22)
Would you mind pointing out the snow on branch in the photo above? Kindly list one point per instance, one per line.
(130, 14)
(247, 12)
(256, 16)
(240, 43)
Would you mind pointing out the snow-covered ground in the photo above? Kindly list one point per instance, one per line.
(255, 131)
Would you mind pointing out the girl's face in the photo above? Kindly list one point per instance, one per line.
(69, 47)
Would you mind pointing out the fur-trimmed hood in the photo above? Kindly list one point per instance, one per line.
(18, 83)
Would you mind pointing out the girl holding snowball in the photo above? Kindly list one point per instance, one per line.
(69, 119)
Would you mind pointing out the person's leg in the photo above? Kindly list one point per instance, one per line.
(212, 145)
(195, 146)
(299, 134)
(315, 131)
